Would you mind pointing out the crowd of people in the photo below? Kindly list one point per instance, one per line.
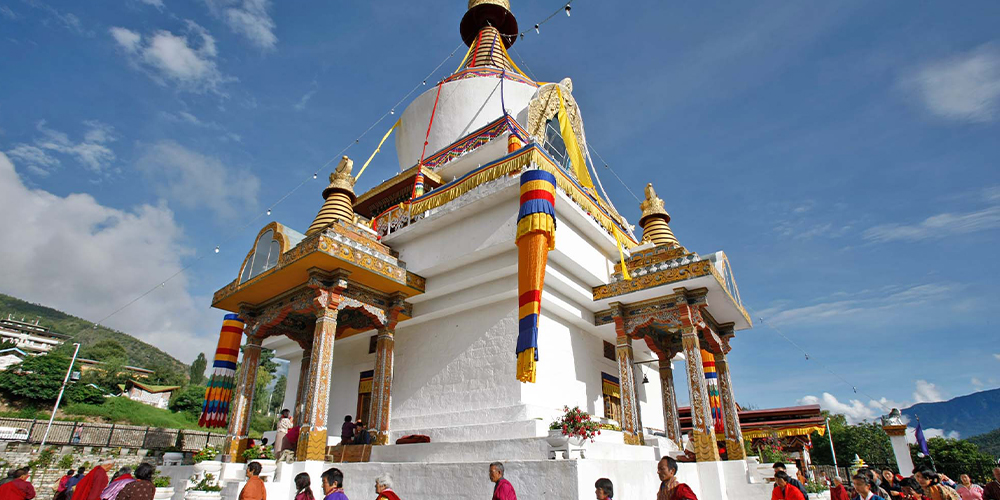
(353, 431)
(870, 484)
(125, 484)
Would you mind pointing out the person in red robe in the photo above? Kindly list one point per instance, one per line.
(783, 489)
(383, 487)
(670, 487)
(91, 486)
(18, 488)
(502, 490)
(838, 492)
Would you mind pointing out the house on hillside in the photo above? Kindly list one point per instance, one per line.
(10, 357)
(31, 338)
(153, 395)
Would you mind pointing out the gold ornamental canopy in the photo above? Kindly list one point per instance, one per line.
(483, 13)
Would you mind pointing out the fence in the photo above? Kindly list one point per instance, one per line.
(114, 435)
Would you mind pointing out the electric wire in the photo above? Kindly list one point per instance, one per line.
(314, 175)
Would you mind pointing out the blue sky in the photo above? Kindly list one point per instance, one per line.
(843, 154)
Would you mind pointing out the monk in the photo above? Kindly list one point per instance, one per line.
(254, 489)
(670, 487)
(18, 488)
(93, 484)
(783, 489)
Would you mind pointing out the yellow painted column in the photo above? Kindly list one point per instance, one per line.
(734, 435)
(382, 385)
(241, 411)
(302, 390)
(631, 421)
(705, 447)
(312, 437)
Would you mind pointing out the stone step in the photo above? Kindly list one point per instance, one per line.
(484, 415)
(477, 432)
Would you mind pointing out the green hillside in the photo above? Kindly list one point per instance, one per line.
(988, 443)
(139, 353)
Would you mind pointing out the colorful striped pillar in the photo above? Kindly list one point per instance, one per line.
(712, 381)
(220, 385)
(536, 236)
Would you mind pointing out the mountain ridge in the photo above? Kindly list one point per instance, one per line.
(139, 353)
(969, 415)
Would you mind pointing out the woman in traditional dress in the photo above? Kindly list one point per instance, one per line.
(303, 486)
(142, 488)
(930, 481)
(969, 491)
(122, 478)
(284, 424)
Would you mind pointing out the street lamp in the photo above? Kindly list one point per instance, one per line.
(69, 373)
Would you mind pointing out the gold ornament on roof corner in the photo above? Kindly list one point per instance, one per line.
(655, 220)
(339, 196)
(545, 105)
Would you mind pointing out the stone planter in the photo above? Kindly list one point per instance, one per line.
(213, 467)
(561, 444)
(164, 493)
(173, 458)
(203, 495)
(267, 468)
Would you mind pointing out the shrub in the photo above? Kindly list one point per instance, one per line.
(65, 461)
(205, 454)
(86, 394)
(207, 483)
(259, 453)
(576, 422)
(161, 481)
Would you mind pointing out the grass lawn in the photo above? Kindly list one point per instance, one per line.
(125, 411)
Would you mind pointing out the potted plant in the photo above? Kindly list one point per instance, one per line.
(205, 461)
(163, 489)
(264, 455)
(205, 489)
(572, 429)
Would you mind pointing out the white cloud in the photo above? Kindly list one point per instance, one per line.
(997, 356)
(92, 152)
(9, 14)
(864, 306)
(930, 432)
(978, 384)
(187, 60)
(127, 39)
(74, 254)
(248, 18)
(927, 393)
(855, 411)
(196, 181)
(155, 3)
(938, 226)
(965, 87)
(299, 106)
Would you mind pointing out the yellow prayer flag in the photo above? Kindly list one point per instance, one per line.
(572, 147)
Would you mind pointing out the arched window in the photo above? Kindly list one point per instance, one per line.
(265, 256)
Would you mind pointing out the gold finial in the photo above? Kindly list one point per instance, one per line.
(494, 14)
(339, 196)
(655, 220)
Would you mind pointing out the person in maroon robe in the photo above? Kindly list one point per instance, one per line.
(18, 488)
(670, 487)
(383, 487)
(91, 486)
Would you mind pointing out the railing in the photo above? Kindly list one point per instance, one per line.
(113, 435)
(393, 219)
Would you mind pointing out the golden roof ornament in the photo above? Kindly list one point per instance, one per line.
(655, 220)
(483, 13)
(339, 196)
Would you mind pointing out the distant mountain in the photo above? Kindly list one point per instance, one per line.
(969, 415)
(139, 353)
(989, 442)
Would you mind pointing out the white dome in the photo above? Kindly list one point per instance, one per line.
(464, 106)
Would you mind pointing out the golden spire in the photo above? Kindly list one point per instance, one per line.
(339, 196)
(489, 28)
(655, 220)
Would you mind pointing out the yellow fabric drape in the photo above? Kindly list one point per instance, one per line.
(610, 389)
(377, 149)
(621, 254)
(784, 432)
(572, 147)
(464, 59)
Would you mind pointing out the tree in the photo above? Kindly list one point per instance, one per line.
(866, 440)
(36, 379)
(198, 369)
(954, 457)
(166, 374)
(109, 375)
(278, 398)
(6, 344)
(86, 394)
(189, 400)
(105, 351)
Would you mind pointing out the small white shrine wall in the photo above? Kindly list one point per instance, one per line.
(350, 358)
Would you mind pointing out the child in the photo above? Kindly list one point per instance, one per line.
(604, 489)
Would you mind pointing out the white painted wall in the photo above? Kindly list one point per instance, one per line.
(350, 358)
(464, 106)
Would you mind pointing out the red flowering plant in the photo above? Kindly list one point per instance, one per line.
(574, 422)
